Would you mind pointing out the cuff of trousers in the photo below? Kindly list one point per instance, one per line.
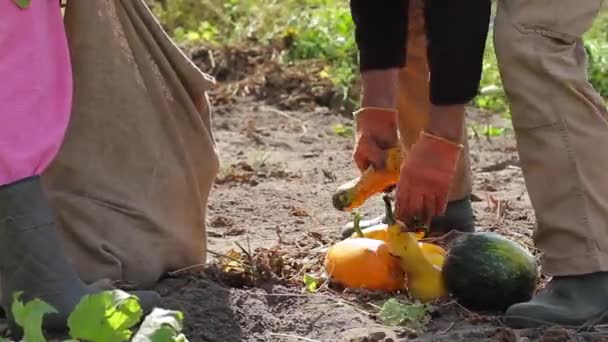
(455, 98)
(381, 59)
(591, 262)
(451, 85)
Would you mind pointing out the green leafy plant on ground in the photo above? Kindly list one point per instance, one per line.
(397, 313)
(109, 316)
(596, 45)
(312, 29)
(487, 130)
(343, 130)
(323, 29)
(491, 94)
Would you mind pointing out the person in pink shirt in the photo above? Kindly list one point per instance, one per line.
(35, 104)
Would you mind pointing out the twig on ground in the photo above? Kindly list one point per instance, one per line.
(469, 312)
(593, 322)
(443, 332)
(603, 329)
(187, 268)
(280, 238)
(294, 336)
(442, 238)
(285, 115)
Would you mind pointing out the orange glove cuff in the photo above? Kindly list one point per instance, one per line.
(426, 178)
(439, 153)
(373, 116)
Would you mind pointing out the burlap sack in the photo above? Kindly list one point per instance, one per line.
(132, 179)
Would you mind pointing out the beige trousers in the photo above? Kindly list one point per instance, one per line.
(561, 126)
(413, 101)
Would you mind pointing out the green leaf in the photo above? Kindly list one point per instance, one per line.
(23, 4)
(311, 283)
(105, 317)
(29, 317)
(161, 326)
(343, 131)
(412, 315)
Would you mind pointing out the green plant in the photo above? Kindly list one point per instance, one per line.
(491, 96)
(412, 315)
(343, 130)
(205, 32)
(259, 159)
(312, 282)
(326, 32)
(108, 316)
(596, 45)
(488, 131)
(323, 29)
(315, 29)
(23, 3)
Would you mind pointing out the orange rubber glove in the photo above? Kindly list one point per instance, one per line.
(376, 133)
(426, 178)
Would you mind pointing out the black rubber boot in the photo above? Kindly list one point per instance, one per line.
(566, 301)
(32, 260)
(458, 216)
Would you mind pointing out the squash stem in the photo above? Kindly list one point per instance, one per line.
(390, 216)
(357, 225)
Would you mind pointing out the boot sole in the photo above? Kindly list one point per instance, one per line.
(520, 322)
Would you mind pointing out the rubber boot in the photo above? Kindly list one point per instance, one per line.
(458, 216)
(566, 301)
(32, 260)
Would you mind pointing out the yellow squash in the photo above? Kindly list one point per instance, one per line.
(434, 253)
(421, 263)
(373, 181)
(382, 232)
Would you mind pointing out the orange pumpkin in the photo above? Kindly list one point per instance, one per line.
(365, 264)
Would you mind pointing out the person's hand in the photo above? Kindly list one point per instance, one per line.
(376, 133)
(426, 179)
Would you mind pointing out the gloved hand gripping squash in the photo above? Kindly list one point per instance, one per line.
(377, 156)
(353, 194)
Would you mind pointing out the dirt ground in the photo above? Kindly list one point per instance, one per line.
(283, 135)
(274, 193)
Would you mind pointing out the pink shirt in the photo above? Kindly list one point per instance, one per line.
(35, 87)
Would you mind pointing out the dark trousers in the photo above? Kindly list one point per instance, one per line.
(456, 33)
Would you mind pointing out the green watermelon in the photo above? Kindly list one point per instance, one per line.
(486, 271)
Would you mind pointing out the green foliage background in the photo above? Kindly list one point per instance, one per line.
(324, 29)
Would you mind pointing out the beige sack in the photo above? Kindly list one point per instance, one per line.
(131, 182)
